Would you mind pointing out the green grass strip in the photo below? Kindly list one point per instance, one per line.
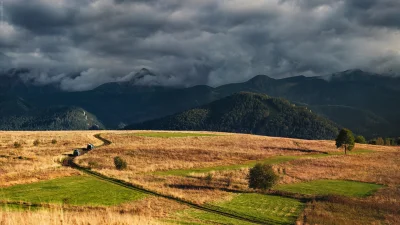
(331, 187)
(76, 190)
(272, 209)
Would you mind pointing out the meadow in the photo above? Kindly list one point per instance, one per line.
(317, 184)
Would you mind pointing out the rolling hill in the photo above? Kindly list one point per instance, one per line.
(249, 113)
(26, 117)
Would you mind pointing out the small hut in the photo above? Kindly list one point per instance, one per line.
(77, 152)
(90, 147)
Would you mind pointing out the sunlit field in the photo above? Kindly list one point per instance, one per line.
(317, 181)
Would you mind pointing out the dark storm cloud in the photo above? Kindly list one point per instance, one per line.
(198, 42)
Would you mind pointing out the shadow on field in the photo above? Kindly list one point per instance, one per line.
(203, 187)
(296, 150)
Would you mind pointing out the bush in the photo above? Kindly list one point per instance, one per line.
(93, 164)
(228, 179)
(17, 145)
(262, 176)
(36, 142)
(54, 141)
(209, 178)
(119, 163)
(360, 139)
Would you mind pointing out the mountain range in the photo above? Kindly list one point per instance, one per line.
(366, 103)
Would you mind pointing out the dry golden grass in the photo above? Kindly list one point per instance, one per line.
(55, 217)
(378, 167)
(30, 163)
(146, 155)
(381, 208)
(149, 210)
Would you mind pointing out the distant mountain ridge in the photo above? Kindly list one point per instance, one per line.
(17, 114)
(248, 113)
(362, 95)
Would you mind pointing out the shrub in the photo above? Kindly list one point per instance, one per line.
(262, 176)
(228, 179)
(119, 163)
(54, 141)
(17, 145)
(93, 164)
(360, 139)
(36, 142)
(209, 178)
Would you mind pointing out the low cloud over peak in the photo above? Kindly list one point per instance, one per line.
(198, 42)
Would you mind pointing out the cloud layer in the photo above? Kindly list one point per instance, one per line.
(198, 42)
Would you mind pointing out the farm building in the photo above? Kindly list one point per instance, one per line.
(90, 147)
(77, 152)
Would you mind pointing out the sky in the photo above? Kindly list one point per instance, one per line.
(81, 44)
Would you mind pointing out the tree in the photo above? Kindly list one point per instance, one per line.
(388, 141)
(119, 163)
(360, 139)
(346, 140)
(262, 176)
(380, 141)
(398, 141)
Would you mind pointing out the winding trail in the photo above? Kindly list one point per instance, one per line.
(69, 161)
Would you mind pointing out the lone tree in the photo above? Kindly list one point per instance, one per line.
(262, 176)
(345, 139)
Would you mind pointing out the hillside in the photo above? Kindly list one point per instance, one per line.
(53, 118)
(248, 113)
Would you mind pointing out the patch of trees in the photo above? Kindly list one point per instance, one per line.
(249, 113)
(385, 141)
(56, 118)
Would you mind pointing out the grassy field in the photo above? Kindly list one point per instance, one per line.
(76, 190)
(202, 167)
(171, 134)
(271, 160)
(197, 217)
(274, 209)
(271, 209)
(331, 187)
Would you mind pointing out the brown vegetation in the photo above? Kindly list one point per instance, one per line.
(29, 162)
(147, 155)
